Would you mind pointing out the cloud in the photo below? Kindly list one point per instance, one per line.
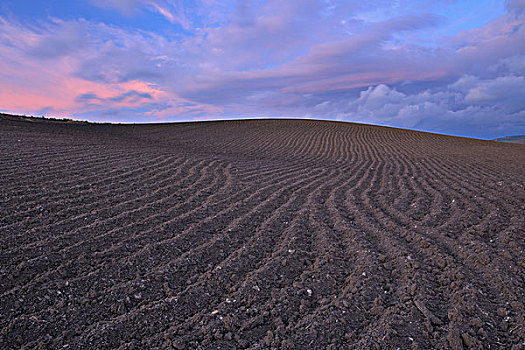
(517, 6)
(382, 63)
(112, 70)
(485, 106)
(127, 7)
(129, 96)
(87, 97)
(172, 11)
(513, 64)
(507, 91)
(355, 61)
(132, 95)
(67, 40)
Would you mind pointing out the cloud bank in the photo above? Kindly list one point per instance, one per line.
(409, 65)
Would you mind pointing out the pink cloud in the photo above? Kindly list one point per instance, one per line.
(33, 84)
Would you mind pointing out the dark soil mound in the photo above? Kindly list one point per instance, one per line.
(258, 234)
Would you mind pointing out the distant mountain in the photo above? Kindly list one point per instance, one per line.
(514, 139)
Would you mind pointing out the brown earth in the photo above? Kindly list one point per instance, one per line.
(287, 234)
(520, 141)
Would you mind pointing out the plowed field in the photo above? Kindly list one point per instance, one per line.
(288, 234)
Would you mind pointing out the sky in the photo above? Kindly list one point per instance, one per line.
(452, 67)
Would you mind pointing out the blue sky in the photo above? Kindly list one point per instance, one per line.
(453, 67)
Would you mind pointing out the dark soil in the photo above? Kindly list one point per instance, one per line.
(284, 234)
